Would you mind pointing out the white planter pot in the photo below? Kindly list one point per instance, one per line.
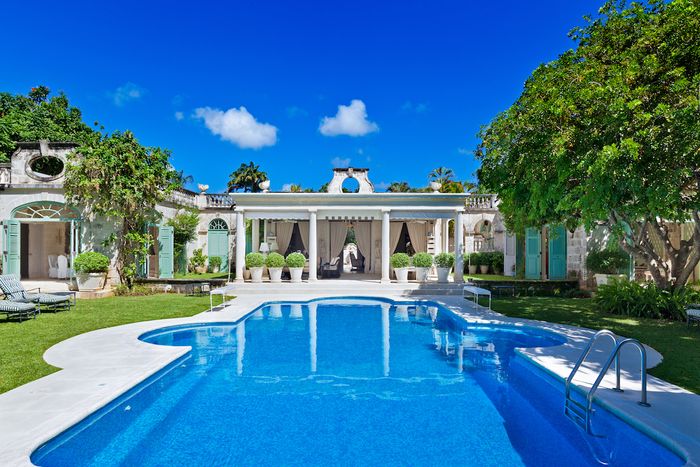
(91, 281)
(422, 274)
(401, 275)
(275, 274)
(256, 274)
(296, 274)
(605, 279)
(484, 269)
(473, 268)
(443, 274)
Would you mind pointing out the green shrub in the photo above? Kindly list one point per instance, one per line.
(479, 259)
(198, 260)
(135, 291)
(400, 260)
(254, 260)
(496, 261)
(215, 262)
(445, 260)
(607, 261)
(274, 260)
(295, 260)
(422, 260)
(91, 261)
(622, 297)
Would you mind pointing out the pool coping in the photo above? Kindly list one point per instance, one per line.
(99, 366)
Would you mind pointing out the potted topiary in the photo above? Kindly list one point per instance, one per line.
(607, 264)
(422, 263)
(215, 263)
(481, 260)
(443, 263)
(255, 263)
(497, 262)
(198, 261)
(295, 263)
(469, 261)
(400, 262)
(91, 271)
(275, 263)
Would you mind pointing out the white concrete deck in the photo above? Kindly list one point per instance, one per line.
(99, 366)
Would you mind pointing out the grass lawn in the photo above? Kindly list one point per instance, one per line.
(23, 344)
(679, 345)
(488, 277)
(205, 276)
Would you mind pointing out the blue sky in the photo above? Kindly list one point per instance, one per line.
(224, 83)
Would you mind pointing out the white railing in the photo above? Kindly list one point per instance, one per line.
(219, 200)
(184, 198)
(479, 201)
(482, 245)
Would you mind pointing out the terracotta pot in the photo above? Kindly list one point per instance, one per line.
(473, 268)
(484, 268)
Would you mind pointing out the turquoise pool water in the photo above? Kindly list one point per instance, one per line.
(348, 382)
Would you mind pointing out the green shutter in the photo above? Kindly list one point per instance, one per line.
(557, 252)
(217, 245)
(166, 260)
(11, 247)
(533, 254)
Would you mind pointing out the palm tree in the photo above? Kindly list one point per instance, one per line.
(181, 179)
(246, 178)
(441, 175)
(399, 187)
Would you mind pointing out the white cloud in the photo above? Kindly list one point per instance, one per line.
(238, 126)
(350, 120)
(463, 151)
(179, 116)
(287, 187)
(339, 162)
(127, 93)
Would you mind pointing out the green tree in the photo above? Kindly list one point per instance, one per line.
(247, 177)
(610, 133)
(441, 175)
(36, 116)
(399, 187)
(120, 179)
(184, 225)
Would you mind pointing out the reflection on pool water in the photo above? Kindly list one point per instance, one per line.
(360, 382)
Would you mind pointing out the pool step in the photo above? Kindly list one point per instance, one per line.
(576, 412)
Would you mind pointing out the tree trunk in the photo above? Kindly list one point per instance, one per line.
(670, 268)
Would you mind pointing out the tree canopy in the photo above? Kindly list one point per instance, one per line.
(247, 177)
(119, 178)
(36, 116)
(610, 133)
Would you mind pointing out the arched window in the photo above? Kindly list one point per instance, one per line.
(218, 224)
(45, 211)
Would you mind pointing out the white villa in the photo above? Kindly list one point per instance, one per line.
(38, 228)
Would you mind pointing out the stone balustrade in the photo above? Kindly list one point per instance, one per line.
(481, 202)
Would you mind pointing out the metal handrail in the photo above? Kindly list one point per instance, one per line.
(616, 356)
(584, 354)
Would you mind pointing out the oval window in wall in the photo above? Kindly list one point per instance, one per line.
(45, 168)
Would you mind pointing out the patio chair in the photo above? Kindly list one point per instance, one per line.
(53, 266)
(693, 313)
(19, 310)
(14, 291)
(332, 269)
(63, 269)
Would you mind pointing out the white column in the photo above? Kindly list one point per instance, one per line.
(386, 332)
(445, 235)
(385, 246)
(437, 236)
(240, 245)
(313, 247)
(313, 336)
(266, 228)
(256, 235)
(459, 247)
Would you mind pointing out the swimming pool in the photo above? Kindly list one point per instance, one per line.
(352, 382)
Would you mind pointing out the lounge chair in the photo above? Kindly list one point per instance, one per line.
(692, 311)
(19, 310)
(14, 291)
(332, 270)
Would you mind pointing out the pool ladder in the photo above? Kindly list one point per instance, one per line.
(579, 412)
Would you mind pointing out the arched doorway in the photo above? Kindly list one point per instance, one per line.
(37, 234)
(217, 241)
